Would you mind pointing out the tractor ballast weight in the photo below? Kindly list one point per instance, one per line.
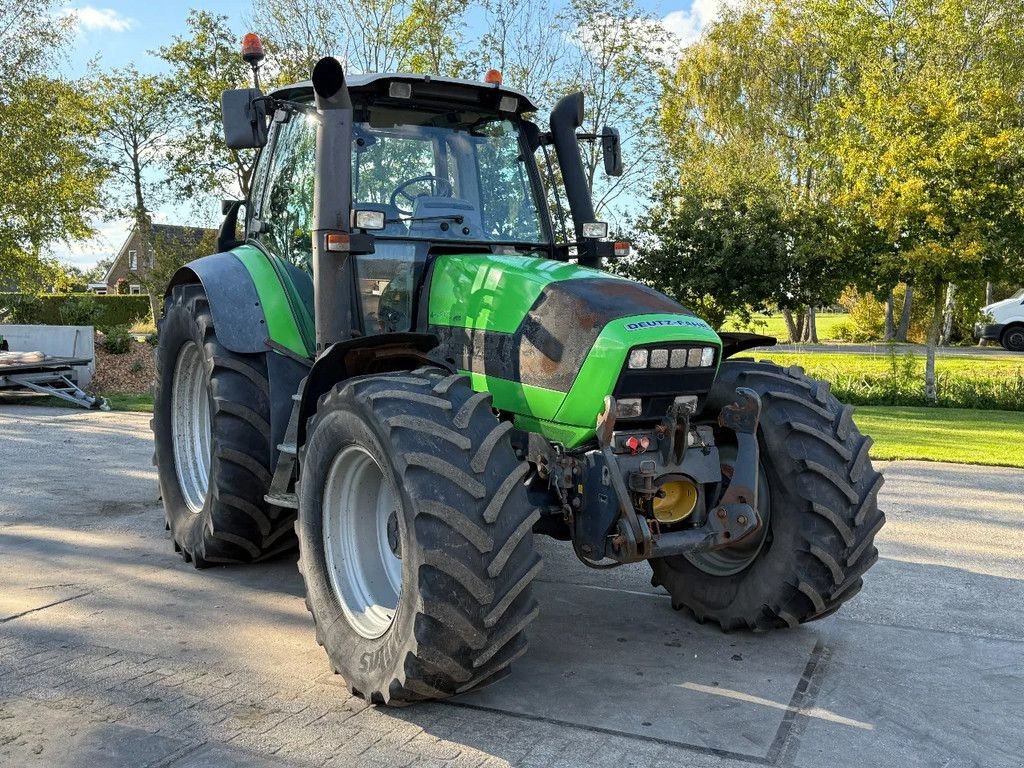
(415, 391)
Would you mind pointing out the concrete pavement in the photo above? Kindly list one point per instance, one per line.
(113, 652)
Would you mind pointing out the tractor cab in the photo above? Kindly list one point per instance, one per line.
(435, 165)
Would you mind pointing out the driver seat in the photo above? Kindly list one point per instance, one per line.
(429, 206)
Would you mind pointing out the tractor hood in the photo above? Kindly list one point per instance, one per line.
(550, 340)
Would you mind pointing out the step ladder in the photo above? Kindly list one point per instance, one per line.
(283, 490)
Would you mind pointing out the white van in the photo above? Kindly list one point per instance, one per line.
(1008, 323)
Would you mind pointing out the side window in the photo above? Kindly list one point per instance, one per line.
(287, 207)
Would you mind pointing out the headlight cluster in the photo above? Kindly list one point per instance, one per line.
(694, 357)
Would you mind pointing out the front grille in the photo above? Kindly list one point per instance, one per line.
(659, 386)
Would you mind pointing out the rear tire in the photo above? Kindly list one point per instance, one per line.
(824, 509)
(213, 491)
(462, 531)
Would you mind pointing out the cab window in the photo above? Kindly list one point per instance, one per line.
(287, 211)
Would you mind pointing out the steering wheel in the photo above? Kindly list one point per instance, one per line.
(438, 187)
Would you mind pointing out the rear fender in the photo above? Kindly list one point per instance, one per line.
(234, 303)
(358, 357)
(238, 315)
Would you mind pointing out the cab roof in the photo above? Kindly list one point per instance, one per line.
(425, 88)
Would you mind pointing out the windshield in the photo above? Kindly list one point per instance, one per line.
(450, 176)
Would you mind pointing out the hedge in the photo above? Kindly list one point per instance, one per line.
(73, 309)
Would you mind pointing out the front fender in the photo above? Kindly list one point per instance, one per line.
(357, 357)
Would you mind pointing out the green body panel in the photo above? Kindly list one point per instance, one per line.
(288, 321)
(495, 293)
(603, 365)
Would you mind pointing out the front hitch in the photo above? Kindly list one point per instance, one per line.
(732, 520)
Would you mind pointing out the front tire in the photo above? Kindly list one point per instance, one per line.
(211, 417)
(460, 532)
(822, 495)
(1012, 339)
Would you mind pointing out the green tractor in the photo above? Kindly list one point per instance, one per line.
(394, 364)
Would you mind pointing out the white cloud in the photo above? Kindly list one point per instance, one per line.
(688, 25)
(92, 19)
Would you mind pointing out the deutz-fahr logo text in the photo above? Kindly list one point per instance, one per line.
(680, 322)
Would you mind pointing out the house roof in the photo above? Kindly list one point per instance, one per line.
(171, 231)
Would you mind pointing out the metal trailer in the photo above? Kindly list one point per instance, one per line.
(50, 376)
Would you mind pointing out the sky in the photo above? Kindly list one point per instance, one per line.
(118, 32)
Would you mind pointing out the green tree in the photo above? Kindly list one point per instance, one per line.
(749, 108)
(136, 129)
(48, 178)
(171, 251)
(204, 63)
(716, 251)
(932, 123)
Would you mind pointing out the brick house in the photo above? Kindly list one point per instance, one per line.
(135, 258)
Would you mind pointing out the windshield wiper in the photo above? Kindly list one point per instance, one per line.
(458, 218)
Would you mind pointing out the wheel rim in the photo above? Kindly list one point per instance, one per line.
(1016, 339)
(732, 560)
(190, 418)
(362, 534)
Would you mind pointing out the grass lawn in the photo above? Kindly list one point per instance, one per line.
(944, 434)
(119, 401)
(774, 325)
(130, 401)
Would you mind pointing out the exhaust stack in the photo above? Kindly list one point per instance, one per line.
(332, 205)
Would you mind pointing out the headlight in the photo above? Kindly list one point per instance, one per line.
(659, 358)
(707, 357)
(638, 358)
(628, 408)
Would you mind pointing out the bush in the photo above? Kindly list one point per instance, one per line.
(867, 316)
(48, 308)
(153, 338)
(848, 330)
(79, 310)
(901, 382)
(117, 340)
(21, 308)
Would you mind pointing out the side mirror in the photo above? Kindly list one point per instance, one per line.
(244, 112)
(611, 149)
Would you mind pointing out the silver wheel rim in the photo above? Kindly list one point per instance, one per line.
(363, 541)
(190, 431)
(732, 560)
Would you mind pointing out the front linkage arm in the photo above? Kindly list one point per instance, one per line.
(733, 519)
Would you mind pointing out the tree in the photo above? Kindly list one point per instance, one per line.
(172, 250)
(49, 181)
(136, 129)
(715, 251)
(204, 63)
(525, 41)
(367, 35)
(749, 107)
(931, 124)
(616, 60)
